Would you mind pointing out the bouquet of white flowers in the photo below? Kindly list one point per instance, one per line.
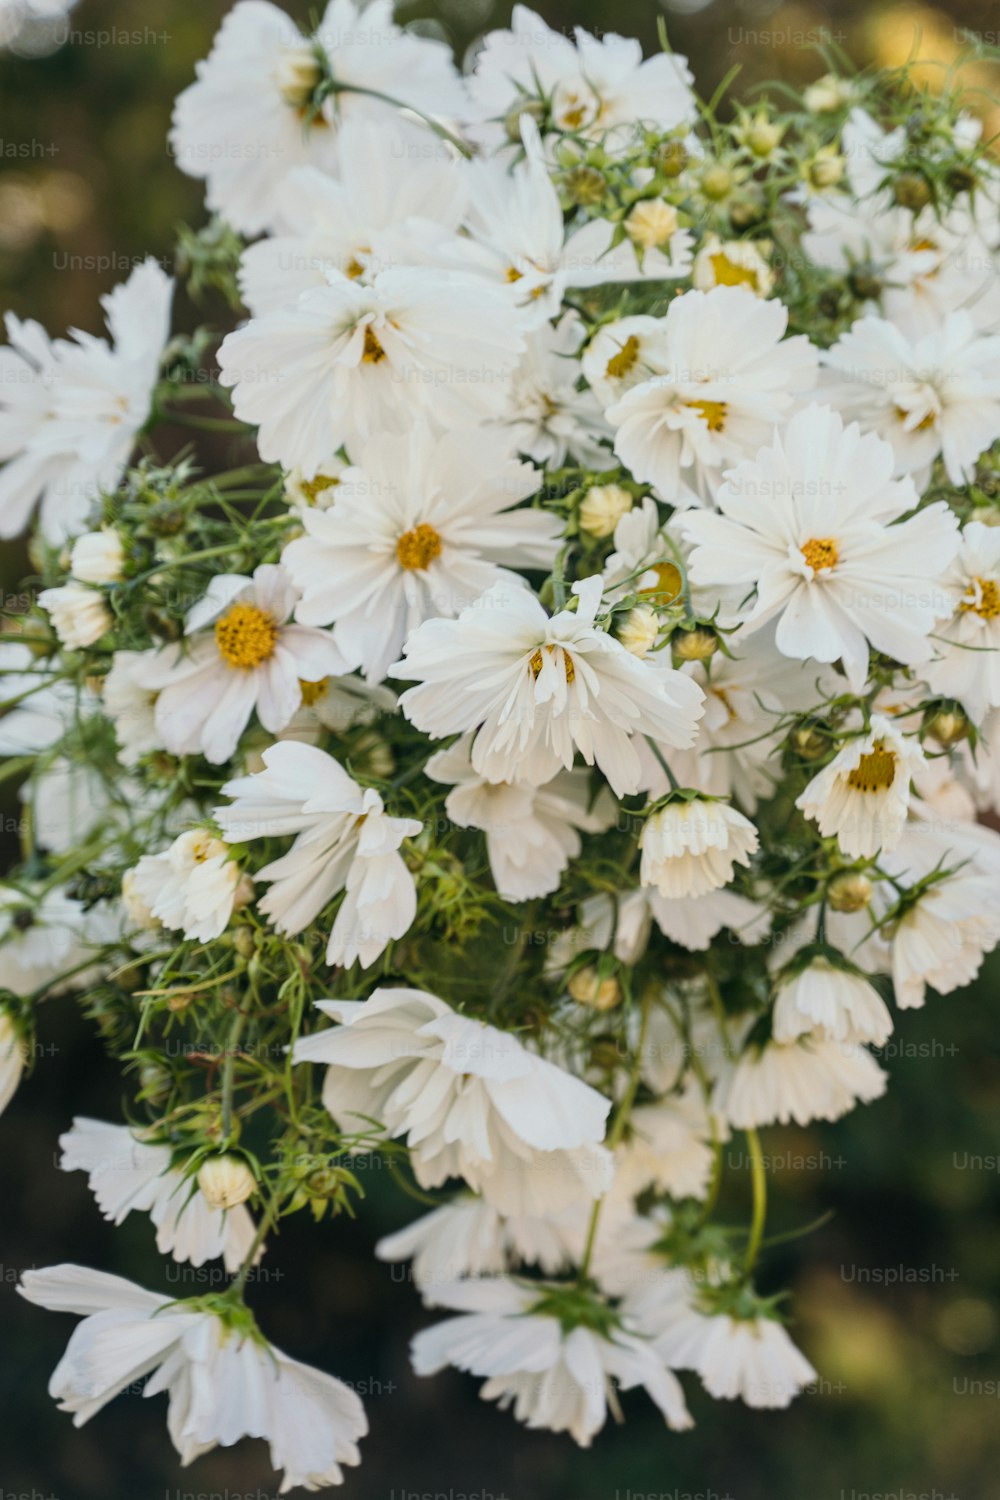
(553, 744)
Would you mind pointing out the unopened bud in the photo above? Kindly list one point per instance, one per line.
(638, 630)
(297, 74)
(912, 190)
(603, 507)
(651, 223)
(587, 988)
(849, 891)
(225, 1181)
(948, 725)
(694, 645)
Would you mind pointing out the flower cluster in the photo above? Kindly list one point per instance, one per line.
(567, 724)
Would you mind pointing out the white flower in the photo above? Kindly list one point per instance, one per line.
(71, 410)
(942, 936)
(191, 886)
(130, 704)
(249, 118)
(244, 654)
(831, 1000)
(38, 705)
(588, 86)
(690, 846)
(97, 557)
(346, 361)
(733, 263)
(828, 93)
(225, 1181)
(669, 1146)
(934, 394)
(470, 1100)
(553, 1376)
(11, 1060)
(811, 1078)
(418, 530)
(531, 832)
(468, 1237)
(967, 661)
(79, 614)
(39, 936)
(346, 842)
(691, 921)
(547, 418)
(224, 1382)
(723, 377)
(538, 688)
(127, 1173)
(623, 354)
(863, 795)
(813, 524)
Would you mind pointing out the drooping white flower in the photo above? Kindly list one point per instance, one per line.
(419, 529)
(12, 1056)
(537, 688)
(250, 117)
(811, 1078)
(97, 556)
(349, 360)
(812, 523)
(532, 833)
(862, 797)
(191, 887)
(935, 394)
(723, 376)
(554, 1376)
(244, 654)
(546, 417)
(830, 999)
(471, 1101)
(39, 936)
(691, 845)
(79, 614)
(669, 1146)
(71, 410)
(345, 842)
(966, 663)
(469, 1237)
(224, 1381)
(127, 1173)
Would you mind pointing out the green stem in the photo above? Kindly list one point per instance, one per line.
(228, 1068)
(759, 1180)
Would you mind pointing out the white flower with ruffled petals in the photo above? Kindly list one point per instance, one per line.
(192, 886)
(833, 1000)
(691, 846)
(862, 797)
(811, 1078)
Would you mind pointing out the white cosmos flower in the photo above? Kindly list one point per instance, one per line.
(812, 523)
(38, 705)
(79, 614)
(966, 665)
(249, 118)
(70, 411)
(419, 529)
(98, 556)
(348, 360)
(192, 886)
(941, 936)
(224, 1382)
(546, 417)
(862, 797)
(130, 704)
(835, 1001)
(345, 842)
(11, 1060)
(623, 354)
(127, 1173)
(669, 1146)
(691, 845)
(733, 263)
(539, 688)
(935, 394)
(469, 1237)
(811, 1078)
(244, 653)
(471, 1101)
(588, 85)
(532, 833)
(723, 376)
(39, 936)
(554, 1377)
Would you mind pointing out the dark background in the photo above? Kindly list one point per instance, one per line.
(896, 1299)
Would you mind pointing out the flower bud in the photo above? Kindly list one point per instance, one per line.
(603, 507)
(225, 1181)
(297, 74)
(849, 891)
(827, 94)
(763, 136)
(97, 557)
(809, 742)
(533, 108)
(587, 988)
(694, 645)
(585, 185)
(638, 630)
(826, 168)
(670, 158)
(912, 190)
(947, 724)
(717, 182)
(79, 614)
(651, 223)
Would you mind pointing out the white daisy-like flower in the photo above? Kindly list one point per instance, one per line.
(418, 530)
(587, 86)
(532, 832)
(966, 664)
(833, 1000)
(538, 688)
(469, 1237)
(547, 418)
(191, 887)
(811, 1078)
(862, 797)
(689, 921)
(812, 524)
(348, 360)
(12, 1057)
(345, 842)
(733, 263)
(97, 556)
(554, 1375)
(244, 654)
(79, 614)
(724, 374)
(250, 117)
(623, 354)
(938, 393)
(39, 936)
(669, 1146)
(691, 845)
(224, 1382)
(471, 1101)
(127, 1173)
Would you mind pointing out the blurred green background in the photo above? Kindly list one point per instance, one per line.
(897, 1298)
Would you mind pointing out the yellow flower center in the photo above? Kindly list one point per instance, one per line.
(536, 663)
(418, 548)
(820, 552)
(246, 636)
(373, 352)
(619, 364)
(668, 582)
(312, 488)
(924, 423)
(728, 273)
(312, 691)
(712, 413)
(354, 268)
(874, 772)
(983, 599)
(513, 274)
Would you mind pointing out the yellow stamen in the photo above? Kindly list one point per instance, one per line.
(712, 413)
(619, 364)
(312, 691)
(922, 425)
(354, 268)
(513, 274)
(246, 636)
(728, 273)
(311, 488)
(982, 599)
(374, 352)
(418, 548)
(668, 582)
(536, 663)
(820, 552)
(875, 771)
